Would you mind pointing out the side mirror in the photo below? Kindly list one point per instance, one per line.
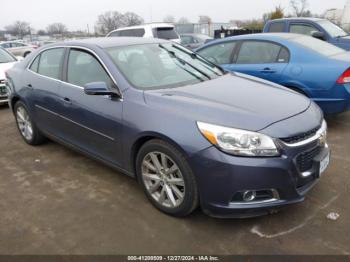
(99, 89)
(319, 35)
(19, 58)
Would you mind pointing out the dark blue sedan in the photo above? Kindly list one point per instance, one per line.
(315, 68)
(190, 133)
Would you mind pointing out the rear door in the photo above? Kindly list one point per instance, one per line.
(42, 81)
(92, 123)
(262, 59)
(302, 28)
(276, 27)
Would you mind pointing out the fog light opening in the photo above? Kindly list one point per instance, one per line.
(249, 196)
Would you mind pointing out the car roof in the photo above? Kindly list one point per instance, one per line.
(312, 19)
(266, 36)
(151, 25)
(278, 37)
(106, 42)
(192, 34)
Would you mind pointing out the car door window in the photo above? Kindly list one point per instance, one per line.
(259, 52)
(302, 29)
(84, 68)
(276, 27)
(6, 45)
(51, 62)
(186, 40)
(219, 53)
(114, 34)
(34, 66)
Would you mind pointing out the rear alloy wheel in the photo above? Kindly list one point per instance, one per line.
(26, 127)
(167, 178)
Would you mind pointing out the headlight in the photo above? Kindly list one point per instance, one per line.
(239, 142)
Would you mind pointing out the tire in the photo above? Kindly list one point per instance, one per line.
(180, 180)
(26, 126)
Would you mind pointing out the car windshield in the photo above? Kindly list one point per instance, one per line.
(332, 29)
(160, 66)
(167, 33)
(318, 46)
(6, 57)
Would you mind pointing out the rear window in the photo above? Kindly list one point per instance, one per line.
(166, 33)
(140, 32)
(276, 27)
(318, 46)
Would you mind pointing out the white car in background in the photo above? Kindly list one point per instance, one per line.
(7, 61)
(18, 48)
(153, 30)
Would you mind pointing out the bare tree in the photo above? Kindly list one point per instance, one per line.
(204, 19)
(169, 19)
(41, 32)
(56, 29)
(110, 21)
(299, 7)
(276, 14)
(183, 20)
(19, 28)
(131, 19)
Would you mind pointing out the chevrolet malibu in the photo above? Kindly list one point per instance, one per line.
(191, 134)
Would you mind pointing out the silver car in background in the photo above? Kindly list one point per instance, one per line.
(18, 48)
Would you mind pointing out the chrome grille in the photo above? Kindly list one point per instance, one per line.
(301, 137)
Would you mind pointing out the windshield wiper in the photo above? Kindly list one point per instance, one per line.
(196, 56)
(172, 53)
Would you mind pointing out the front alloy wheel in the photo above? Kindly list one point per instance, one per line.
(163, 179)
(167, 179)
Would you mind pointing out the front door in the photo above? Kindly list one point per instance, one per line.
(92, 123)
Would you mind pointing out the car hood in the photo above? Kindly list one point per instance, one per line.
(235, 101)
(4, 67)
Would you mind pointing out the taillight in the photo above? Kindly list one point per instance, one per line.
(345, 78)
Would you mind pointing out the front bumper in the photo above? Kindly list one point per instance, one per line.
(221, 177)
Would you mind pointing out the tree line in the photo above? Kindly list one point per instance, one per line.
(112, 20)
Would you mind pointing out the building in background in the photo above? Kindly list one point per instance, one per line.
(340, 16)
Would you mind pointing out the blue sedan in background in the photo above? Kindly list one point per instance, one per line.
(307, 65)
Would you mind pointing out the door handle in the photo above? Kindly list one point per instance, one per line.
(67, 101)
(29, 86)
(268, 70)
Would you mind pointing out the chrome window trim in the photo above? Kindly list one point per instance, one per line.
(75, 47)
(69, 120)
(321, 132)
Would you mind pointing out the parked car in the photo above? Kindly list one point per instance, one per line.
(7, 61)
(18, 48)
(153, 30)
(194, 41)
(191, 133)
(307, 65)
(322, 29)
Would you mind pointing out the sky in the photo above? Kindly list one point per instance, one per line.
(77, 14)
